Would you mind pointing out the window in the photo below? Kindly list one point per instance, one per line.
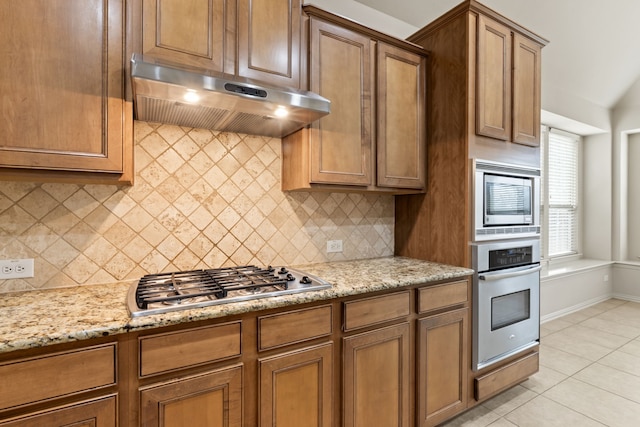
(559, 192)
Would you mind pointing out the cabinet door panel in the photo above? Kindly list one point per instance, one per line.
(269, 41)
(526, 91)
(376, 378)
(189, 32)
(401, 137)
(493, 116)
(295, 388)
(61, 80)
(93, 413)
(442, 366)
(212, 399)
(341, 71)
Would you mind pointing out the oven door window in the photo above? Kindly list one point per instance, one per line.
(509, 309)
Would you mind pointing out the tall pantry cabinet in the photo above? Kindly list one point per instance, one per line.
(483, 88)
(484, 102)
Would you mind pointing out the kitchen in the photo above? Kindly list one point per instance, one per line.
(173, 218)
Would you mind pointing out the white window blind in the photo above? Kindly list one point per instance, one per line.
(562, 193)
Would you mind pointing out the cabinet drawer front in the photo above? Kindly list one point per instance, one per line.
(288, 328)
(370, 311)
(442, 296)
(176, 350)
(494, 382)
(56, 375)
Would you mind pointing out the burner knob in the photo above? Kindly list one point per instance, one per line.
(283, 271)
(290, 277)
(270, 269)
(305, 280)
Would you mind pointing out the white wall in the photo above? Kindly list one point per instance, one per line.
(633, 197)
(367, 16)
(570, 292)
(626, 278)
(596, 197)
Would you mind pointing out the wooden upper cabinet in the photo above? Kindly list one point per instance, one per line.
(190, 32)
(269, 41)
(341, 71)
(493, 79)
(526, 91)
(374, 139)
(508, 84)
(401, 136)
(62, 86)
(206, 34)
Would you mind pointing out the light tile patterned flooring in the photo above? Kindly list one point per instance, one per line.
(589, 375)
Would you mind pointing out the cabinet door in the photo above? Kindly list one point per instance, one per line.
(341, 71)
(376, 378)
(269, 41)
(296, 388)
(442, 364)
(93, 413)
(190, 32)
(526, 91)
(493, 104)
(62, 85)
(401, 137)
(213, 399)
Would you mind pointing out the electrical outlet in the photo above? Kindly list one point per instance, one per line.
(16, 268)
(334, 246)
(606, 277)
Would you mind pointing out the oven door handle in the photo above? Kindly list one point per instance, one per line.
(492, 277)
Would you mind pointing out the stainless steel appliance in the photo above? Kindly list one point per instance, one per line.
(507, 201)
(165, 292)
(170, 94)
(506, 299)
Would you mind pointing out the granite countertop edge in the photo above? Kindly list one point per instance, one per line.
(93, 311)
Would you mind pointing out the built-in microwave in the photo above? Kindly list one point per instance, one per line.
(507, 201)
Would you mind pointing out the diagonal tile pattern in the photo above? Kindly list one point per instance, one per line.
(201, 199)
(589, 375)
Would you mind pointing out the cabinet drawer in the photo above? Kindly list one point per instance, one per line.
(176, 350)
(489, 384)
(295, 326)
(442, 296)
(57, 375)
(370, 311)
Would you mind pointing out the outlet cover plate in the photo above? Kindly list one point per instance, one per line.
(334, 246)
(16, 268)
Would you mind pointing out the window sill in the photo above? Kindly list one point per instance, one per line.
(566, 268)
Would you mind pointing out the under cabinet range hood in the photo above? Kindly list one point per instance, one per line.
(169, 94)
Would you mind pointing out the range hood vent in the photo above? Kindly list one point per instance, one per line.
(168, 94)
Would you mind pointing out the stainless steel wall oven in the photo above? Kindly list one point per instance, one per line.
(506, 299)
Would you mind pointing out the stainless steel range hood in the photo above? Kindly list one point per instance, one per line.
(168, 94)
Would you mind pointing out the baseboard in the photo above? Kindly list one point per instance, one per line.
(580, 306)
(632, 298)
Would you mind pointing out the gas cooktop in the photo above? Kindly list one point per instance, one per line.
(165, 292)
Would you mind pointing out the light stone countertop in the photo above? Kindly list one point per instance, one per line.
(40, 318)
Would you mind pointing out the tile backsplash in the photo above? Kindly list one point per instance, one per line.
(201, 199)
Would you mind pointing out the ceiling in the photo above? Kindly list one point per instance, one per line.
(593, 52)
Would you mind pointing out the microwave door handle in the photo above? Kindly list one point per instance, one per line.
(493, 277)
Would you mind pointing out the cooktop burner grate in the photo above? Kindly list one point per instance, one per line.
(158, 293)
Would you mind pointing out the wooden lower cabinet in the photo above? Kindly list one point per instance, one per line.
(442, 365)
(376, 376)
(93, 413)
(296, 388)
(212, 399)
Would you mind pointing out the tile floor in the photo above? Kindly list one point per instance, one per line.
(589, 375)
